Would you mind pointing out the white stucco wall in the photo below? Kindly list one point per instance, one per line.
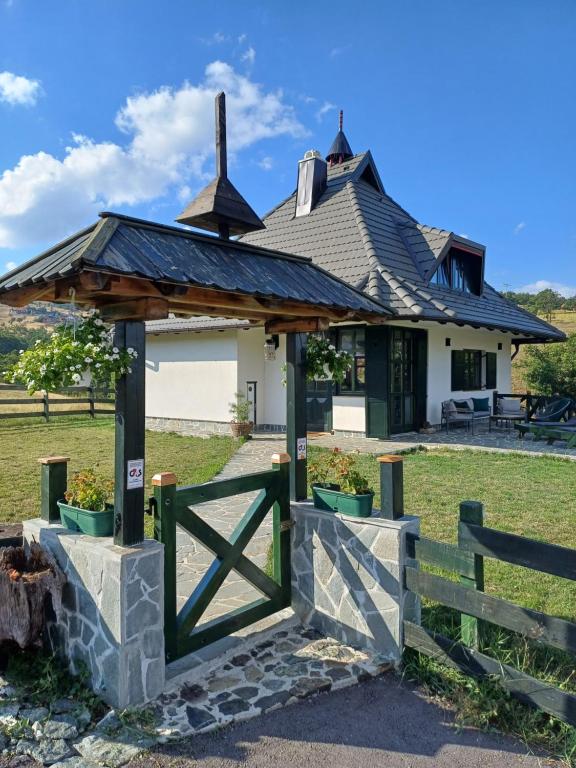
(349, 414)
(251, 365)
(440, 363)
(191, 375)
(275, 391)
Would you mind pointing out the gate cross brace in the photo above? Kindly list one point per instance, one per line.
(228, 557)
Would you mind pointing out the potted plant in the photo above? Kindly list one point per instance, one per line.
(86, 507)
(240, 425)
(337, 486)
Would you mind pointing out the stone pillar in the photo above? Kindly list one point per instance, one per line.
(347, 577)
(112, 616)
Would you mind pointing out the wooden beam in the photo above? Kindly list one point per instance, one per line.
(305, 325)
(136, 309)
(20, 297)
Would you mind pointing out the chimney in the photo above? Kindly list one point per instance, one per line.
(312, 171)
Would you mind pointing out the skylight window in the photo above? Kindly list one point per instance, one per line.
(462, 271)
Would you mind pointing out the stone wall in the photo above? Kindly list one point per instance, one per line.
(347, 577)
(112, 616)
(202, 428)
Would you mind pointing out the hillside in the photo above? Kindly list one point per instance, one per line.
(35, 316)
(563, 319)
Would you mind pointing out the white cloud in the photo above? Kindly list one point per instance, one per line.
(519, 227)
(339, 50)
(10, 265)
(169, 139)
(324, 109)
(542, 285)
(242, 38)
(15, 89)
(215, 39)
(249, 56)
(266, 163)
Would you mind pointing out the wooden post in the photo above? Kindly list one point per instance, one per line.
(91, 397)
(472, 512)
(53, 484)
(296, 414)
(391, 486)
(129, 438)
(164, 485)
(46, 406)
(281, 522)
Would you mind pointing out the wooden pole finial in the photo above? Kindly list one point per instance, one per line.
(164, 478)
(280, 458)
(221, 157)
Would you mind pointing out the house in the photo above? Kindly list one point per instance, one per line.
(450, 334)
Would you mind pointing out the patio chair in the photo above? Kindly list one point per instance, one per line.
(451, 415)
(554, 411)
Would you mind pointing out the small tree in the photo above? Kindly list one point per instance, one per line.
(551, 369)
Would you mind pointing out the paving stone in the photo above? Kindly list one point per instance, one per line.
(226, 682)
(233, 707)
(113, 752)
(199, 718)
(191, 693)
(53, 729)
(274, 684)
(275, 699)
(224, 696)
(253, 674)
(246, 692)
(307, 686)
(240, 660)
(47, 751)
(33, 714)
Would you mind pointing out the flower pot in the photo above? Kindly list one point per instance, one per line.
(331, 499)
(241, 428)
(87, 521)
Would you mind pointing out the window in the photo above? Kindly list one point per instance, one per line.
(461, 271)
(352, 340)
(473, 369)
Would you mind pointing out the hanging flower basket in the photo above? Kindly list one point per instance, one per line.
(72, 354)
(324, 362)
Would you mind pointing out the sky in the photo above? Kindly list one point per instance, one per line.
(467, 106)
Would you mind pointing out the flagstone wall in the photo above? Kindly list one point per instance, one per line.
(347, 577)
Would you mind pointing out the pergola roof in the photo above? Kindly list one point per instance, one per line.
(121, 260)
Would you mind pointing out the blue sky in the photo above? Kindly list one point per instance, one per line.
(468, 108)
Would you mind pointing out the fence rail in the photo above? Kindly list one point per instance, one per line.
(467, 559)
(54, 404)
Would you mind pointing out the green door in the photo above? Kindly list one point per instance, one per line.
(319, 406)
(408, 351)
(377, 374)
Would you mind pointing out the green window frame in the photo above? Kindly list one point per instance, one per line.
(473, 369)
(352, 339)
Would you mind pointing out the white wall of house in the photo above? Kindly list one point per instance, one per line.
(440, 363)
(349, 414)
(275, 391)
(191, 375)
(251, 365)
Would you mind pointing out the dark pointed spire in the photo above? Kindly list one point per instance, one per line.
(220, 207)
(340, 149)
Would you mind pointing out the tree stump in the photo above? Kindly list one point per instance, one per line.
(27, 577)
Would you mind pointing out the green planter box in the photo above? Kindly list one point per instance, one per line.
(332, 499)
(86, 521)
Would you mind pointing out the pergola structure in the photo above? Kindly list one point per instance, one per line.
(133, 270)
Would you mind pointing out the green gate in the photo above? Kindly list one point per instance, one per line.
(172, 508)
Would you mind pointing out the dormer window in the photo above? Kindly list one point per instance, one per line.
(461, 270)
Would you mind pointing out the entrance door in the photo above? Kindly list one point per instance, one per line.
(377, 358)
(319, 406)
(407, 379)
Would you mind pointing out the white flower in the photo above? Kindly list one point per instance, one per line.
(98, 365)
(130, 350)
(98, 321)
(115, 350)
(76, 377)
(331, 347)
(87, 359)
(21, 352)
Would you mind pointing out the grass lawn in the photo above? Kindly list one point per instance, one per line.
(526, 495)
(90, 443)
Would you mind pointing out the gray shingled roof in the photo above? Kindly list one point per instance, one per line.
(361, 235)
(127, 246)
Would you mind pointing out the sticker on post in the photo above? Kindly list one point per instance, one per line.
(300, 448)
(135, 474)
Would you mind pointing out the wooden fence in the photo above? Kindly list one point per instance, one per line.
(529, 403)
(69, 401)
(474, 543)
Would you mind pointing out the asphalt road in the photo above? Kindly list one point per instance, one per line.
(379, 723)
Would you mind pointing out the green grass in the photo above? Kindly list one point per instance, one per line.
(526, 495)
(90, 443)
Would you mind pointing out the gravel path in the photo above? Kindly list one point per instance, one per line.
(378, 723)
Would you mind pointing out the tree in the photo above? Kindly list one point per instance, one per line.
(551, 369)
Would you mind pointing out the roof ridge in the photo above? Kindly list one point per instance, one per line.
(399, 228)
(396, 284)
(365, 235)
(101, 236)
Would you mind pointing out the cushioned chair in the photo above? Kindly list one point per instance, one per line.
(469, 412)
(554, 411)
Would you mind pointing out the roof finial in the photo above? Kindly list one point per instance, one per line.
(340, 149)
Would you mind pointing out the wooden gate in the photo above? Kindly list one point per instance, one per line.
(173, 507)
(474, 543)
